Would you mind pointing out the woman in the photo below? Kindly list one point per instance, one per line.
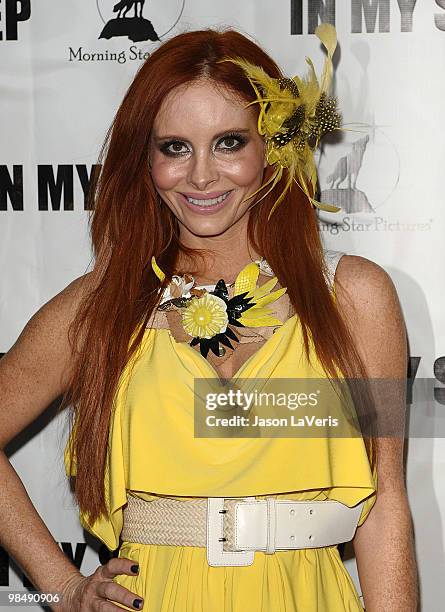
(196, 220)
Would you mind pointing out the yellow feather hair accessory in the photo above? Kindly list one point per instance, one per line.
(294, 115)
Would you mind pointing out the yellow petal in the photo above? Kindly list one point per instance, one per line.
(266, 321)
(157, 270)
(246, 279)
(265, 288)
(255, 313)
(272, 297)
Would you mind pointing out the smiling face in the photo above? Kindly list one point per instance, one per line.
(206, 156)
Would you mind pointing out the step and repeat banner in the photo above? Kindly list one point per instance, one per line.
(65, 67)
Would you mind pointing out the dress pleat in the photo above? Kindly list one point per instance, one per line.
(178, 579)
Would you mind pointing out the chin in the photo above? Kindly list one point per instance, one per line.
(206, 229)
(210, 225)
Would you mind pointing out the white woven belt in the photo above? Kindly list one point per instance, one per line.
(232, 529)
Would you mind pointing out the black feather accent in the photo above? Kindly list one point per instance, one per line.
(290, 127)
(238, 299)
(237, 323)
(326, 119)
(231, 334)
(290, 85)
(214, 345)
(225, 341)
(296, 119)
(221, 290)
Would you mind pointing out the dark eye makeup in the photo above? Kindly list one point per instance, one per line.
(235, 141)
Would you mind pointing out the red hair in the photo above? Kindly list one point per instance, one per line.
(128, 226)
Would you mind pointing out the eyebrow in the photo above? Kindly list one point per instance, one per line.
(229, 130)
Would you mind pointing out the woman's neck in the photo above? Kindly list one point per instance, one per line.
(212, 270)
(227, 255)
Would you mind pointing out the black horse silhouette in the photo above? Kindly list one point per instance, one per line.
(136, 28)
(122, 7)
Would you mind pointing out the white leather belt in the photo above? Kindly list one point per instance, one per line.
(232, 529)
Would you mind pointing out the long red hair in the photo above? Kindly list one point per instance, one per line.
(128, 226)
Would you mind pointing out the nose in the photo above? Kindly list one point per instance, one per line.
(203, 170)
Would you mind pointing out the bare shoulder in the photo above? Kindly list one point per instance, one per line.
(368, 299)
(362, 280)
(64, 305)
(46, 331)
(36, 369)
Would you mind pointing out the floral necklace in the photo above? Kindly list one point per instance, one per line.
(209, 315)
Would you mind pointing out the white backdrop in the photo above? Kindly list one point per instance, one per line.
(61, 85)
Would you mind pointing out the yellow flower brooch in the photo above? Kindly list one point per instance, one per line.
(207, 316)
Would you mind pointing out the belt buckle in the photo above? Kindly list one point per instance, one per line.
(216, 555)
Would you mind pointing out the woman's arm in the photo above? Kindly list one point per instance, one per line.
(383, 544)
(32, 374)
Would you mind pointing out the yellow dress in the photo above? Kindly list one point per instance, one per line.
(154, 452)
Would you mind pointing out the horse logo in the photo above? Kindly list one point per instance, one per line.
(349, 165)
(347, 168)
(126, 18)
(124, 6)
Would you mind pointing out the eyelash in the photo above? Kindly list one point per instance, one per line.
(232, 136)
